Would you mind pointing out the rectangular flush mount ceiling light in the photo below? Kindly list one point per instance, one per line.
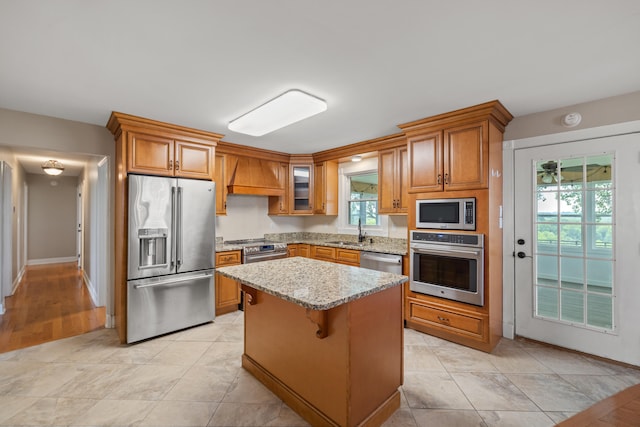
(290, 107)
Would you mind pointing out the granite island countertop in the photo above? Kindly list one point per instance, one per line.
(310, 283)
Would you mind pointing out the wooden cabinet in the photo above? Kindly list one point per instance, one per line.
(227, 290)
(348, 257)
(324, 253)
(161, 155)
(221, 184)
(325, 188)
(299, 249)
(393, 170)
(337, 255)
(292, 250)
(150, 147)
(304, 250)
(456, 158)
(460, 152)
(301, 189)
(279, 205)
(443, 320)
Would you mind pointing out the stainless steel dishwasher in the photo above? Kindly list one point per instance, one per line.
(381, 262)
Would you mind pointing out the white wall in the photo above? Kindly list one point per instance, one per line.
(247, 217)
(51, 219)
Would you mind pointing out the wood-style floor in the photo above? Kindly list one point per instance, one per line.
(620, 410)
(50, 303)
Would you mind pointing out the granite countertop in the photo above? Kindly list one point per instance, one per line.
(310, 283)
(380, 245)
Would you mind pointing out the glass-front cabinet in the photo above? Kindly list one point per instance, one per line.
(302, 190)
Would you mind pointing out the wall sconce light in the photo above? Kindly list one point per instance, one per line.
(52, 167)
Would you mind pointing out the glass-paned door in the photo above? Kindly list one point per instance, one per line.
(573, 222)
(576, 245)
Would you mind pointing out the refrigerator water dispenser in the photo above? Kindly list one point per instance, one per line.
(153, 247)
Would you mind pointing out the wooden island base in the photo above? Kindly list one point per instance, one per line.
(335, 367)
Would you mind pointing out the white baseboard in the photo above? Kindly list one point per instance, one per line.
(16, 282)
(2, 307)
(508, 331)
(90, 288)
(51, 260)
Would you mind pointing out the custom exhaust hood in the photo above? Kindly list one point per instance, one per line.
(250, 175)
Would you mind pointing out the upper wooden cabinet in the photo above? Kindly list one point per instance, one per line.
(325, 188)
(157, 148)
(456, 158)
(393, 171)
(279, 205)
(301, 187)
(450, 152)
(221, 186)
(159, 155)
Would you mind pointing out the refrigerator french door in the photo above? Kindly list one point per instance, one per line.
(170, 276)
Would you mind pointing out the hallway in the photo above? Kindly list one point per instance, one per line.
(50, 303)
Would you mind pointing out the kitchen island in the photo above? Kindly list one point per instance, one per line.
(325, 338)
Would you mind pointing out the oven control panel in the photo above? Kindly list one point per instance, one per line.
(448, 238)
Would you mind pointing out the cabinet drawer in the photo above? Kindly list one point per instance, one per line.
(228, 258)
(469, 325)
(348, 256)
(323, 252)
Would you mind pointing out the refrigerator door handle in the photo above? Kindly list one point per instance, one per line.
(173, 281)
(179, 228)
(173, 226)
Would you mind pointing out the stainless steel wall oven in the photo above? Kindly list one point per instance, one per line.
(448, 265)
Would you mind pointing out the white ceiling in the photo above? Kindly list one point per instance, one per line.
(377, 63)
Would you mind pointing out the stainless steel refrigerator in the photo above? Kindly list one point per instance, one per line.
(170, 280)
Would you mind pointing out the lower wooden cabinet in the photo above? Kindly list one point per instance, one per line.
(348, 257)
(324, 253)
(227, 290)
(444, 320)
(337, 255)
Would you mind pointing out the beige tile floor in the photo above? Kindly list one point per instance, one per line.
(194, 378)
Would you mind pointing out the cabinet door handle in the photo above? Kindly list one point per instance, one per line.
(443, 319)
(170, 164)
(439, 179)
(446, 178)
(177, 165)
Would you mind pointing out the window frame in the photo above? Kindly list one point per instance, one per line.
(345, 171)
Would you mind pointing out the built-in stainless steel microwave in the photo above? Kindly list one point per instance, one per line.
(446, 214)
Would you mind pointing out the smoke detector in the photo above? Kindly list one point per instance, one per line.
(571, 120)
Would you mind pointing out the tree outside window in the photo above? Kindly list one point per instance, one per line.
(363, 199)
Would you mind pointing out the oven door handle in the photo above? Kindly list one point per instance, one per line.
(446, 251)
(255, 258)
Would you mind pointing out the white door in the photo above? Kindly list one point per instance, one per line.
(6, 218)
(79, 221)
(577, 245)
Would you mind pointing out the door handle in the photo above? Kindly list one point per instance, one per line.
(521, 254)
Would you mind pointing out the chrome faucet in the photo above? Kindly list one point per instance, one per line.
(360, 233)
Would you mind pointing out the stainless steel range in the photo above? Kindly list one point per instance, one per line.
(256, 250)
